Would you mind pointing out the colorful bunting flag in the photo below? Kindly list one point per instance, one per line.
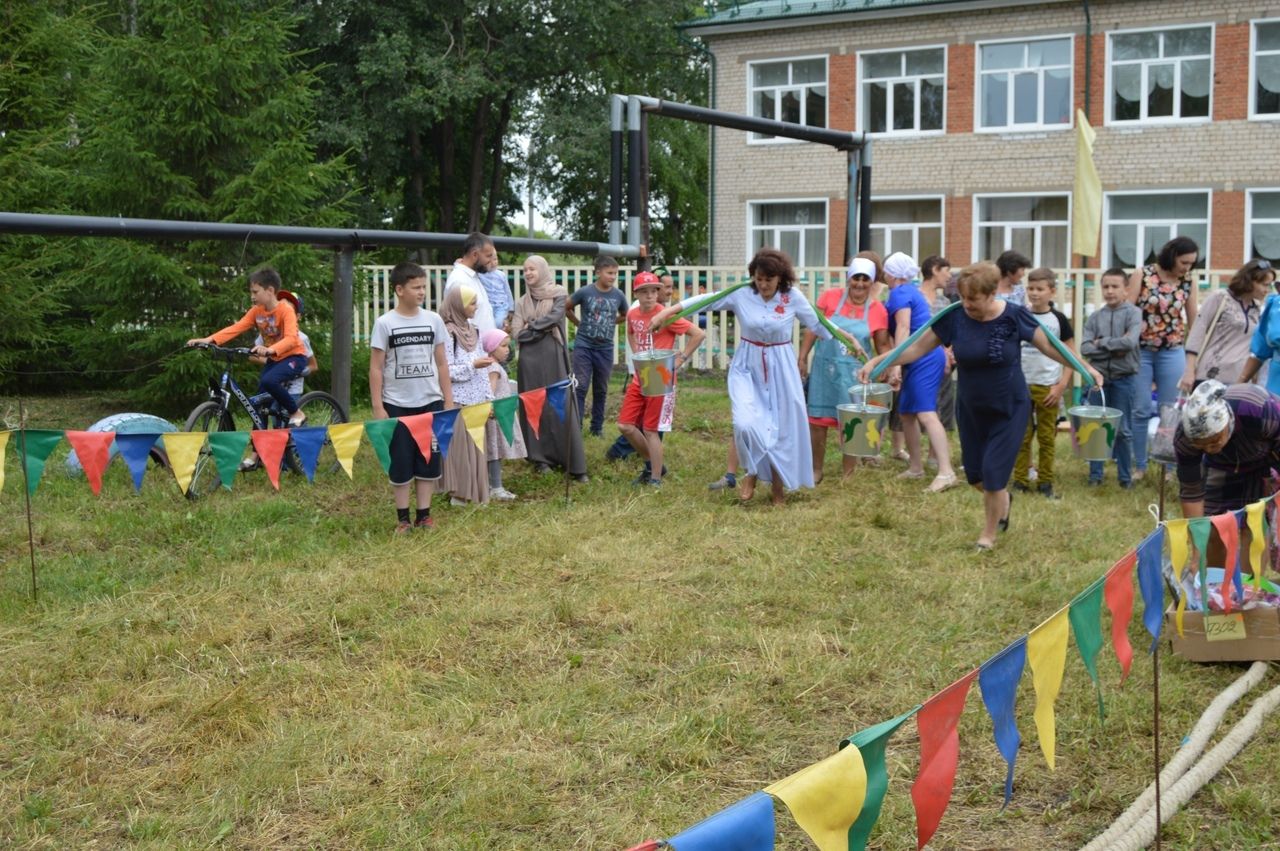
(1047, 654)
(998, 681)
(939, 754)
(1253, 520)
(1149, 583)
(651, 845)
(271, 443)
(183, 449)
(345, 438)
(4, 441)
(419, 426)
(746, 826)
(504, 411)
(35, 445)
(1085, 614)
(443, 425)
(1176, 534)
(871, 743)
(93, 448)
(380, 432)
(1119, 595)
(475, 417)
(532, 401)
(135, 449)
(826, 797)
(1198, 528)
(555, 397)
(1228, 528)
(228, 448)
(308, 441)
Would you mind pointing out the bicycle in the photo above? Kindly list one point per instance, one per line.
(263, 411)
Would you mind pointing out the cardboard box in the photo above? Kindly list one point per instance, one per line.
(1248, 636)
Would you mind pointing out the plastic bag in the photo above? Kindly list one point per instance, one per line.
(1162, 444)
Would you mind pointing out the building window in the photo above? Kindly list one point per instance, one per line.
(1025, 85)
(794, 90)
(797, 227)
(1035, 225)
(1161, 74)
(1138, 224)
(1264, 226)
(910, 225)
(902, 91)
(1266, 69)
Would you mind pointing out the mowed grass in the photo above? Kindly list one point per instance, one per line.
(263, 670)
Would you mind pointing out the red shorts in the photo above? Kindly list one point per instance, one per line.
(638, 409)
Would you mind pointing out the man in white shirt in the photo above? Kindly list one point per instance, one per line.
(478, 256)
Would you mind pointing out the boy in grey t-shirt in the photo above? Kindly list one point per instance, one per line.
(409, 374)
(603, 308)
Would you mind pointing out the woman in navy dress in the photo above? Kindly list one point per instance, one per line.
(992, 400)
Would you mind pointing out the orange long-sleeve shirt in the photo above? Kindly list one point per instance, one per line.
(279, 329)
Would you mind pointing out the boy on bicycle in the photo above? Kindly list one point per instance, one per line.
(276, 321)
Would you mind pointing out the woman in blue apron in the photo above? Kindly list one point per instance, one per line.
(852, 310)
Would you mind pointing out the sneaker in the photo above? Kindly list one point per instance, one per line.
(1126, 486)
(582, 478)
(655, 483)
(502, 495)
(1097, 483)
(425, 523)
(1020, 487)
(298, 420)
(404, 527)
(458, 503)
(597, 433)
(728, 480)
(542, 469)
(1046, 491)
(611, 454)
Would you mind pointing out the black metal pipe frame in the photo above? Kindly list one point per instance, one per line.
(838, 139)
(633, 171)
(864, 199)
(616, 106)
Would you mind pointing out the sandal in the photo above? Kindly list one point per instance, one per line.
(942, 483)
(911, 474)
(980, 547)
(902, 455)
(1004, 521)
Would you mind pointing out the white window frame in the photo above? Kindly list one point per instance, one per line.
(1177, 78)
(915, 226)
(1253, 71)
(978, 75)
(754, 138)
(864, 103)
(825, 227)
(1107, 220)
(1038, 226)
(1249, 220)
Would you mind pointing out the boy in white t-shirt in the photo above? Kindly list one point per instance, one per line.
(1047, 381)
(409, 374)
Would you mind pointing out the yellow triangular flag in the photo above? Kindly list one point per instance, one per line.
(1086, 202)
(1176, 533)
(183, 449)
(345, 438)
(475, 416)
(1047, 655)
(826, 797)
(4, 441)
(1257, 537)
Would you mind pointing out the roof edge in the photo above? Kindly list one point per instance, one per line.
(809, 19)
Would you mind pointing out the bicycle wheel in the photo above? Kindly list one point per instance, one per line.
(321, 410)
(208, 416)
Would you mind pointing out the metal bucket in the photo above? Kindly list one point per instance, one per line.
(1093, 431)
(656, 371)
(861, 428)
(875, 395)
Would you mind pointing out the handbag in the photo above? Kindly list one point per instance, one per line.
(1162, 444)
(1213, 325)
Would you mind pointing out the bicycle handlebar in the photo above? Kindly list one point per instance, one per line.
(215, 349)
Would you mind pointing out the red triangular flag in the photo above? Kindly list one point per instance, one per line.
(270, 444)
(1229, 533)
(939, 754)
(533, 400)
(92, 448)
(419, 426)
(1118, 592)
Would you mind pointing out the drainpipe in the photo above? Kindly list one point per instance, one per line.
(864, 197)
(711, 161)
(1088, 56)
(616, 104)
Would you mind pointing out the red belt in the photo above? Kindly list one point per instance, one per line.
(764, 362)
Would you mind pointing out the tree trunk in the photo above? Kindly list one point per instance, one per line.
(479, 134)
(444, 140)
(417, 210)
(495, 169)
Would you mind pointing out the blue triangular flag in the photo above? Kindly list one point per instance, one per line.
(442, 423)
(745, 826)
(135, 449)
(1150, 558)
(998, 680)
(309, 441)
(555, 397)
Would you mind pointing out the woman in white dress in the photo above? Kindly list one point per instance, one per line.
(770, 426)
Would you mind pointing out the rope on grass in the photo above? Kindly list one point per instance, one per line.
(1183, 776)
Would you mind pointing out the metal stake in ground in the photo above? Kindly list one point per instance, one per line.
(26, 488)
(1155, 684)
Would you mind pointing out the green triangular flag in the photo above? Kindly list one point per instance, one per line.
(35, 444)
(871, 743)
(1199, 528)
(1085, 615)
(504, 411)
(380, 432)
(228, 449)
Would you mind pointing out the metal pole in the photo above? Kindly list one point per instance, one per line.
(343, 330)
(26, 489)
(633, 172)
(864, 221)
(644, 185)
(840, 139)
(616, 103)
(851, 209)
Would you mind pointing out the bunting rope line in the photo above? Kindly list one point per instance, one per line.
(82, 371)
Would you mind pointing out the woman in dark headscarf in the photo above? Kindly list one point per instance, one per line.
(538, 327)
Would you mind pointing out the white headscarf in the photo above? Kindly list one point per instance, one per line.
(1207, 413)
(861, 266)
(899, 265)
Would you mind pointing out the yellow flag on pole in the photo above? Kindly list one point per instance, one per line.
(1086, 211)
(1047, 655)
(345, 438)
(826, 797)
(475, 416)
(183, 449)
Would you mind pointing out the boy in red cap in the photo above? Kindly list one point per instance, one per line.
(640, 412)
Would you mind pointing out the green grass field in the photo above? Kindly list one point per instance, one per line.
(262, 670)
